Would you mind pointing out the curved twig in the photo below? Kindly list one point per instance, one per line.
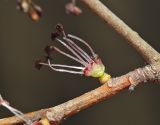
(150, 54)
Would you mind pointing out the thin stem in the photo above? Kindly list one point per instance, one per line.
(78, 49)
(63, 66)
(84, 42)
(69, 48)
(68, 55)
(63, 70)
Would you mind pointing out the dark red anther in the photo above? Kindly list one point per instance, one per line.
(55, 35)
(59, 28)
(49, 49)
(38, 64)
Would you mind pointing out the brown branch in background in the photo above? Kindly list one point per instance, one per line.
(150, 72)
(59, 113)
(149, 54)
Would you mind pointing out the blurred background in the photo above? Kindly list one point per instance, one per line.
(22, 42)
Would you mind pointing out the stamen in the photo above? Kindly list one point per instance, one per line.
(63, 70)
(78, 49)
(68, 55)
(60, 29)
(69, 48)
(64, 66)
(84, 42)
(15, 111)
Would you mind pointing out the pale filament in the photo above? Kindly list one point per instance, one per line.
(84, 42)
(68, 55)
(63, 66)
(63, 70)
(15, 111)
(69, 48)
(78, 49)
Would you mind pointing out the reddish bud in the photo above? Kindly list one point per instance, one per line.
(72, 9)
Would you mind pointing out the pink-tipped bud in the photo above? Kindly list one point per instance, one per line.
(72, 9)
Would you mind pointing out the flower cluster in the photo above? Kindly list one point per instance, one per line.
(33, 10)
(90, 64)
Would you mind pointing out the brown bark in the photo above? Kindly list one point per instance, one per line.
(112, 87)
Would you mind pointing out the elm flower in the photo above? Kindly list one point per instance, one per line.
(16, 112)
(72, 9)
(90, 64)
(22, 116)
(28, 7)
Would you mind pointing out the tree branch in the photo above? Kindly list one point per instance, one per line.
(150, 72)
(114, 86)
(149, 54)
